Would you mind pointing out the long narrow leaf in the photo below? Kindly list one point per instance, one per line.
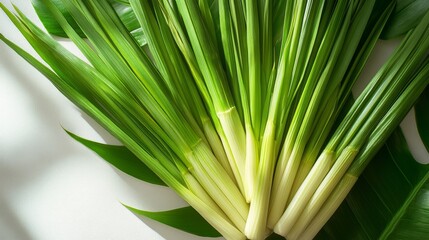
(185, 219)
(121, 158)
(53, 27)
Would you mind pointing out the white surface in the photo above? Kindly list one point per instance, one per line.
(52, 188)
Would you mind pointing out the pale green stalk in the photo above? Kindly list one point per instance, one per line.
(209, 63)
(257, 220)
(325, 123)
(163, 49)
(317, 218)
(300, 128)
(380, 101)
(286, 223)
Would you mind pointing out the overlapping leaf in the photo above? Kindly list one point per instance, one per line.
(53, 27)
(406, 16)
(382, 195)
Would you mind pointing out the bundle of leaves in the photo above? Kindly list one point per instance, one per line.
(244, 107)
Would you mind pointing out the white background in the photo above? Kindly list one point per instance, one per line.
(52, 188)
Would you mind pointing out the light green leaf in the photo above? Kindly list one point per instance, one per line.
(51, 25)
(124, 12)
(121, 158)
(185, 219)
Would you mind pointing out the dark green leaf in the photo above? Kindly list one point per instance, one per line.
(185, 219)
(382, 195)
(122, 159)
(414, 224)
(405, 17)
(422, 117)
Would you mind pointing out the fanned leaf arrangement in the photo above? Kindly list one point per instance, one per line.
(381, 200)
(244, 107)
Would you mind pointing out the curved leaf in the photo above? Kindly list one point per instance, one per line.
(124, 12)
(51, 25)
(422, 117)
(185, 219)
(405, 17)
(378, 203)
(122, 159)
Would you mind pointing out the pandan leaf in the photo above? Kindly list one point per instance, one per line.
(121, 158)
(124, 12)
(185, 219)
(51, 25)
(384, 197)
(405, 17)
(422, 117)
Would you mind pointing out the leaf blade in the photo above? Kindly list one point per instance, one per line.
(185, 219)
(121, 158)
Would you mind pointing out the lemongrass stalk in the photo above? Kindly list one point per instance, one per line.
(175, 71)
(208, 60)
(251, 165)
(316, 174)
(383, 130)
(388, 119)
(210, 172)
(332, 204)
(254, 63)
(194, 97)
(215, 218)
(319, 134)
(229, 46)
(259, 209)
(355, 139)
(257, 218)
(302, 204)
(228, 197)
(217, 146)
(300, 128)
(325, 123)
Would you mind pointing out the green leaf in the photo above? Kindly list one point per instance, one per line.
(185, 219)
(124, 12)
(122, 158)
(422, 117)
(405, 17)
(414, 224)
(377, 205)
(51, 25)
